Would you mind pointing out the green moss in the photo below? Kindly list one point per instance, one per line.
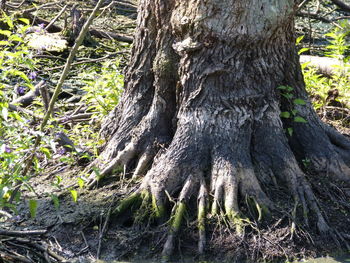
(236, 220)
(164, 64)
(127, 202)
(201, 218)
(159, 210)
(180, 210)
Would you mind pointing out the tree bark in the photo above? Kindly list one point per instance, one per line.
(201, 112)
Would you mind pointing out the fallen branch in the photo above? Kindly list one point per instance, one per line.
(14, 257)
(14, 6)
(314, 16)
(76, 117)
(343, 6)
(5, 214)
(341, 18)
(49, 57)
(42, 249)
(21, 233)
(338, 109)
(110, 35)
(93, 60)
(41, 6)
(94, 32)
(325, 65)
(56, 17)
(28, 98)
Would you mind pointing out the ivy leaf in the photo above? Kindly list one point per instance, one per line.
(33, 205)
(302, 50)
(58, 179)
(290, 131)
(24, 20)
(299, 102)
(4, 43)
(81, 182)
(285, 88)
(282, 87)
(56, 201)
(285, 114)
(288, 96)
(46, 152)
(294, 112)
(15, 38)
(299, 39)
(74, 194)
(299, 119)
(5, 32)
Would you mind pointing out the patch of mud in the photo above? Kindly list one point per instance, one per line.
(79, 231)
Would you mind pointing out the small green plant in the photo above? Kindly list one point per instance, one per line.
(103, 89)
(19, 159)
(337, 44)
(16, 77)
(17, 127)
(287, 93)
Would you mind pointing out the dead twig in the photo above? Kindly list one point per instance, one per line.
(28, 98)
(94, 32)
(56, 17)
(110, 35)
(29, 10)
(5, 214)
(43, 248)
(76, 117)
(21, 233)
(11, 5)
(86, 248)
(93, 60)
(14, 257)
(318, 17)
(102, 232)
(49, 57)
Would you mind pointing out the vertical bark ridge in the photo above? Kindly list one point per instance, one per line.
(148, 104)
(139, 90)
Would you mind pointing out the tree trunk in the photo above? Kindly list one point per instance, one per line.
(215, 107)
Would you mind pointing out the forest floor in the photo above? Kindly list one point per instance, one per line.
(84, 229)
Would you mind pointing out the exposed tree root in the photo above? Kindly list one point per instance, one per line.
(233, 177)
(327, 152)
(324, 149)
(214, 134)
(222, 173)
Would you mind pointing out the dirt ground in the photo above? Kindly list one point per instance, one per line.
(85, 230)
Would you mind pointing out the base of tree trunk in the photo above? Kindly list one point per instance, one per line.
(228, 166)
(218, 117)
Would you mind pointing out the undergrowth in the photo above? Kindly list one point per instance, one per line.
(19, 75)
(319, 86)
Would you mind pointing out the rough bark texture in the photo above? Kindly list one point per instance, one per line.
(200, 115)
